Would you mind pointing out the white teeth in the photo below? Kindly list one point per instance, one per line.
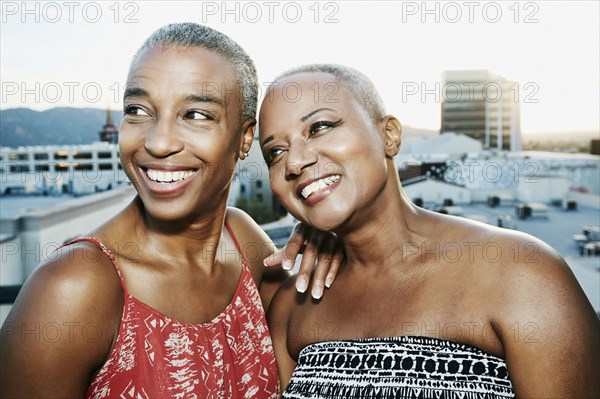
(319, 185)
(167, 177)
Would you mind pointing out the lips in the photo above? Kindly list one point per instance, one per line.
(308, 189)
(167, 181)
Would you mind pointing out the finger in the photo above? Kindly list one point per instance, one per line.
(336, 263)
(324, 260)
(293, 246)
(309, 256)
(274, 259)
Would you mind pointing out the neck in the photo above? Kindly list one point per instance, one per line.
(187, 242)
(381, 235)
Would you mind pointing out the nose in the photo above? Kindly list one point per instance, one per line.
(299, 157)
(163, 139)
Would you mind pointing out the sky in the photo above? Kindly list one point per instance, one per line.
(77, 54)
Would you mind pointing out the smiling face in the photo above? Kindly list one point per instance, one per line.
(327, 158)
(180, 135)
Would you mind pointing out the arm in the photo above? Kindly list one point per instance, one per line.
(278, 318)
(48, 349)
(550, 333)
(320, 246)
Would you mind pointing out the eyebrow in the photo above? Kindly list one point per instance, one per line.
(302, 119)
(305, 117)
(268, 139)
(135, 92)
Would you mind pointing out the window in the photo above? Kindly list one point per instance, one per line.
(41, 156)
(258, 183)
(19, 168)
(82, 155)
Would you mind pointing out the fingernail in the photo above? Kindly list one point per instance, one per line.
(287, 264)
(301, 284)
(328, 281)
(268, 259)
(317, 291)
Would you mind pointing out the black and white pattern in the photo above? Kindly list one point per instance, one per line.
(398, 367)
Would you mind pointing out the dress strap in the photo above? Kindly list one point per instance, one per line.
(105, 251)
(237, 245)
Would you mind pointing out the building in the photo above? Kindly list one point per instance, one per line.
(483, 106)
(251, 180)
(56, 169)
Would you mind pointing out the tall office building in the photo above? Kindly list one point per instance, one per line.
(483, 106)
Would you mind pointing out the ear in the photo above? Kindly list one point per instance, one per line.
(392, 133)
(246, 138)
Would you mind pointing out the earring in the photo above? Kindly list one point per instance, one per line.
(246, 154)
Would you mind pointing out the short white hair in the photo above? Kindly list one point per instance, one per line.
(358, 83)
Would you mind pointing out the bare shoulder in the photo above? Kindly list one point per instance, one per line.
(254, 242)
(80, 271)
(79, 284)
(538, 310)
(517, 264)
(62, 324)
(524, 266)
(248, 231)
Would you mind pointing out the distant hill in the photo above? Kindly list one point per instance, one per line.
(24, 126)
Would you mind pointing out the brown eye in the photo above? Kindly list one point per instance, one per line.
(195, 115)
(321, 126)
(135, 111)
(272, 154)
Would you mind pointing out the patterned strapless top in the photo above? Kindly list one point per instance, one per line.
(397, 367)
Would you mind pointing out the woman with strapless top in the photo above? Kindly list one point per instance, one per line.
(426, 305)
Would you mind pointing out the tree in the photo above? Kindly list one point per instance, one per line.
(256, 209)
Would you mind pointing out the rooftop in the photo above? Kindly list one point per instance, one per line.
(11, 205)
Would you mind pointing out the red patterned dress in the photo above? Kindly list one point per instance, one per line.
(158, 357)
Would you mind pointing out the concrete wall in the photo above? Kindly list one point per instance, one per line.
(585, 199)
(543, 189)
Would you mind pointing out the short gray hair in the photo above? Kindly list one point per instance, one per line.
(358, 83)
(189, 34)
